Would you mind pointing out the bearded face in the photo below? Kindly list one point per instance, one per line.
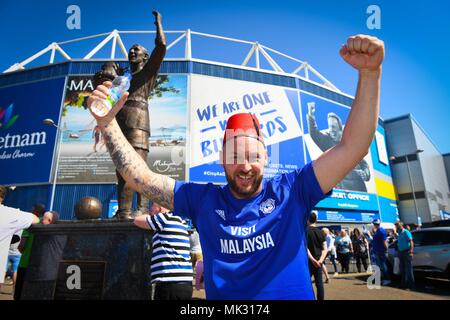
(243, 162)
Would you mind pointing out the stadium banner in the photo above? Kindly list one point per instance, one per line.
(388, 210)
(346, 216)
(349, 200)
(324, 122)
(379, 152)
(213, 100)
(26, 144)
(84, 157)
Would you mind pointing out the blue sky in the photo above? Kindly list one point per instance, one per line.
(416, 70)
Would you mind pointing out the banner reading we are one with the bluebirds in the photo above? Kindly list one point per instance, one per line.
(214, 100)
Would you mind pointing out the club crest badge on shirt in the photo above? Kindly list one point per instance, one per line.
(267, 206)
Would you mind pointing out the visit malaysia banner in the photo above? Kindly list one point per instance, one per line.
(214, 100)
(324, 122)
(84, 157)
(26, 144)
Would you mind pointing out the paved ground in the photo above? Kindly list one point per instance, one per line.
(6, 292)
(353, 287)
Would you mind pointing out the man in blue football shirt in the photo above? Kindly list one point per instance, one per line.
(405, 246)
(253, 230)
(379, 247)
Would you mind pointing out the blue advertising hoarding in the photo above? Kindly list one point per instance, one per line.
(349, 200)
(347, 216)
(26, 144)
(388, 209)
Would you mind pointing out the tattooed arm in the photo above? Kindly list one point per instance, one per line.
(366, 54)
(131, 166)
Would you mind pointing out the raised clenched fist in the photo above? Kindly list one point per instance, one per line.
(364, 53)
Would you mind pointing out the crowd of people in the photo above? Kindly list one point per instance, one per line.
(364, 247)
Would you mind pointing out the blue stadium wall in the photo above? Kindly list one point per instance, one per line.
(66, 195)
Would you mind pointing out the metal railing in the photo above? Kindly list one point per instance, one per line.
(257, 50)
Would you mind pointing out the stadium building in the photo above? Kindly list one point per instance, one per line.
(420, 172)
(301, 113)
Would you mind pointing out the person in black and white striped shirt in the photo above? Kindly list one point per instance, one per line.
(171, 262)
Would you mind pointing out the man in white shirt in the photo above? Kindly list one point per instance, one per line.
(11, 221)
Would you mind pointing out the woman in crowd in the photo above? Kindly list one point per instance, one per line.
(344, 251)
(331, 254)
(361, 249)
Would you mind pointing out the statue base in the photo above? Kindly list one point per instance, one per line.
(89, 259)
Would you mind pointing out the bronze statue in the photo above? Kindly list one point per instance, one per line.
(134, 119)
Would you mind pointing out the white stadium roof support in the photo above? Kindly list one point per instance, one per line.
(302, 71)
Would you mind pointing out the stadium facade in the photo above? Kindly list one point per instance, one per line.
(57, 165)
(420, 172)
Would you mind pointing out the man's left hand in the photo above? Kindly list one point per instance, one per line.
(364, 53)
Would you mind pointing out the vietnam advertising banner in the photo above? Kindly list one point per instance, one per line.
(324, 122)
(214, 100)
(84, 157)
(26, 144)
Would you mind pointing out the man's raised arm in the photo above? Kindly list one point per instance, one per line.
(365, 54)
(132, 167)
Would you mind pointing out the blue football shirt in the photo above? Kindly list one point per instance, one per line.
(378, 241)
(404, 238)
(254, 248)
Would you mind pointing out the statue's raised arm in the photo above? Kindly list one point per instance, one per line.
(156, 58)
